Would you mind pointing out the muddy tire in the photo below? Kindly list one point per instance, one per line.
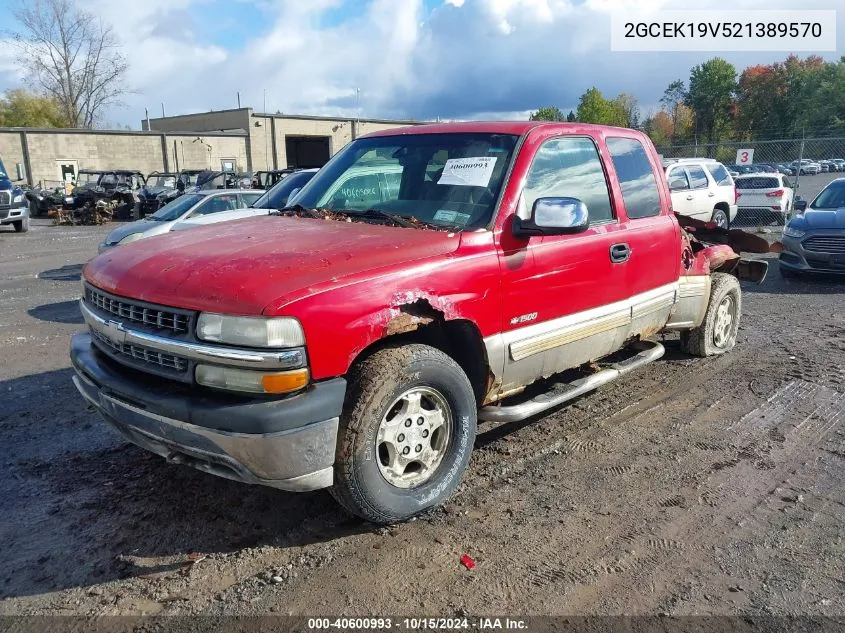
(21, 226)
(717, 334)
(406, 433)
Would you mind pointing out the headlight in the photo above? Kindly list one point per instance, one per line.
(69, 199)
(790, 231)
(132, 237)
(18, 198)
(251, 381)
(250, 331)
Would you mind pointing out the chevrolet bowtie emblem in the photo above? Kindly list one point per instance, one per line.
(115, 332)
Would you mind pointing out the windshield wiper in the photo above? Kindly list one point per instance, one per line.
(295, 209)
(378, 213)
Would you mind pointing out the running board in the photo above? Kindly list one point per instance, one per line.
(650, 351)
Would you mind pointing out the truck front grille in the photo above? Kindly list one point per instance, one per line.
(144, 355)
(833, 244)
(5, 197)
(156, 317)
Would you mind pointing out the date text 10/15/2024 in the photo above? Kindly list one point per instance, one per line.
(417, 624)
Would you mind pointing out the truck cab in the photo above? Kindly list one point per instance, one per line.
(14, 207)
(354, 339)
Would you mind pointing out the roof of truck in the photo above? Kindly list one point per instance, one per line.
(488, 127)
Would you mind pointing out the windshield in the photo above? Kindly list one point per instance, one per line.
(3, 170)
(176, 209)
(832, 197)
(277, 197)
(162, 181)
(85, 179)
(449, 180)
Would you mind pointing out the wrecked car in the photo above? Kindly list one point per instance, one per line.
(354, 339)
(116, 189)
(155, 192)
(269, 179)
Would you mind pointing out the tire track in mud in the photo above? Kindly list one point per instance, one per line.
(681, 526)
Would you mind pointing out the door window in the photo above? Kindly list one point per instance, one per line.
(217, 204)
(697, 177)
(678, 180)
(250, 198)
(568, 168)
(636, 177)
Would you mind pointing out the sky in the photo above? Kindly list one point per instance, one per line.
(410, 59)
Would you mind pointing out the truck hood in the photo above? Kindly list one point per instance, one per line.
(241, 267)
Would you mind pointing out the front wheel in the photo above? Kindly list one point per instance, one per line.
(22, 226)
(406, 433)
(717, 334)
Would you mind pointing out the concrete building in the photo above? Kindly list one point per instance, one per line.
(238, 139)
(276, 141)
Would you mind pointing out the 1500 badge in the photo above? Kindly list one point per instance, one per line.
(525, 318)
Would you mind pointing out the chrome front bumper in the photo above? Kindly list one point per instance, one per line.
(292, 448)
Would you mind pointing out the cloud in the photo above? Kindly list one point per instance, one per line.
(408, 58)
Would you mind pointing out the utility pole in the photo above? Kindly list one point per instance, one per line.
(162, 110)
(239, 99)
(147, 115)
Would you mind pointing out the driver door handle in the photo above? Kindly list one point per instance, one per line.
(620, 253)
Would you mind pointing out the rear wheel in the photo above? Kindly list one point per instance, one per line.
(720, 218)
(406, 433)
(717, 333)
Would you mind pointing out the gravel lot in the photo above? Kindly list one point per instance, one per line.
(692, 487)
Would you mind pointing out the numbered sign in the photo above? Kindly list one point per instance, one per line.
(744, 156)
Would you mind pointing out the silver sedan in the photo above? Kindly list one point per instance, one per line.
(190, 205)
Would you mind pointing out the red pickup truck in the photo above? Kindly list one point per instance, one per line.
(423, 279)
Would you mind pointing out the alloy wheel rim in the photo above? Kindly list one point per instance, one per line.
(725, 317)
(413, 437)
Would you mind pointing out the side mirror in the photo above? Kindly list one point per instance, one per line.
(800, 206)
(553, 216)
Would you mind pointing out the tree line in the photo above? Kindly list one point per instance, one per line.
(785, 99)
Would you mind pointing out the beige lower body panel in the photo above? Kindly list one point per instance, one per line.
(520, 357)
(693, 297)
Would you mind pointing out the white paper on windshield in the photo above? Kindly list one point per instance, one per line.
(453, 217)
(468, 172)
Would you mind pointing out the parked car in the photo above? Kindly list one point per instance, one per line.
(826, 166)
(189, 205)
(839, 163)
(737, 170)
(814, 240)
(155, 192)
(14, 207)
(702, 189)
(354, 341)
(270, 201)
(785, 169)
(806, 167)
(764, 194)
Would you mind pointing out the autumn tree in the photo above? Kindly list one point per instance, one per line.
(673, 99)
(71, 57)
(19, 108)
(549, 113)
(711, 93)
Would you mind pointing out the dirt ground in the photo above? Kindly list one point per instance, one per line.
(691, 487)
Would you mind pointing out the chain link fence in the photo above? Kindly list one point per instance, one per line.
(807, 165)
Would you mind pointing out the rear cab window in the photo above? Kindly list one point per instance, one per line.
(636, 177)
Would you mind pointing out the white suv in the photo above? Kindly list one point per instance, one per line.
(702, 189)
